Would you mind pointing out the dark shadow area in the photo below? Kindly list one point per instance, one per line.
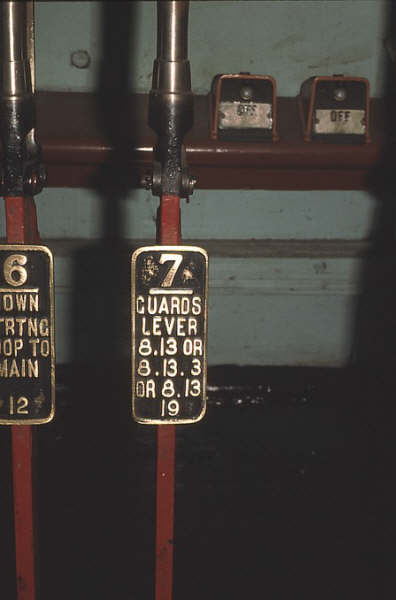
(90, 488)
(271, 495)
(375, 324)
(7, 559)
(271, 491)
(371, 409)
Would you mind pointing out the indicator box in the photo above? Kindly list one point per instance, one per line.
(335, 109)
(243, 108)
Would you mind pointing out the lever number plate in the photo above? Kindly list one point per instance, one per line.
(169, 331)
(27, 350)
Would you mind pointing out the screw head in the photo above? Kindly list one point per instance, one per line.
(339, 94)
(32, 180)
(42, 174)
(246, 92)
(192, 183)
(147, 182)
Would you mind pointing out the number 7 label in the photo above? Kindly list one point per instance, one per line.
(169, 330)
(177, 260)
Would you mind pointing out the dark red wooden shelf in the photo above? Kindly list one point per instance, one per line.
(88, 141)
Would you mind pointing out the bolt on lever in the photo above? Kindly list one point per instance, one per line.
(171, 102)
(23, 172)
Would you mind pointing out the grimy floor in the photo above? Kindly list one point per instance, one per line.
(284, 491)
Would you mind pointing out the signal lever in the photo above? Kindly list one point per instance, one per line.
(171, 102)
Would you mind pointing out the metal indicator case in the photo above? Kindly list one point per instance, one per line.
(169, 331)
(335, 109)
(243, 108)
(27, 349)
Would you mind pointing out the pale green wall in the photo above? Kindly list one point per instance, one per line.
(70, 213)
(289, 40)
(263, 310)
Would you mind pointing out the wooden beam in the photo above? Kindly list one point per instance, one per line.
(76, 147)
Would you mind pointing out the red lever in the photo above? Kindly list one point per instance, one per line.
(169, 233)
(21, 222)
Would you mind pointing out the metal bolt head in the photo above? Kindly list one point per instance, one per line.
(147, 182)
(246, 92)
(339, 94)
(42, 175)
(192, 183)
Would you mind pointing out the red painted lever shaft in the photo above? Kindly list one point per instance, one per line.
(169, 234)
(21, 224)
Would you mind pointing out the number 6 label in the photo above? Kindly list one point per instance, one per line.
(13, 265)
(27, 344)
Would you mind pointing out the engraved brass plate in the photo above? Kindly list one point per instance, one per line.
(169, 331)
(27, 348)
(245, 115)
(340, 121)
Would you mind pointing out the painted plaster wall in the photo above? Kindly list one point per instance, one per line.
(263, 310)
(290, 40)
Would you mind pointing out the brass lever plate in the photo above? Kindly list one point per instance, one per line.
(169, 333)
(27, 344)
